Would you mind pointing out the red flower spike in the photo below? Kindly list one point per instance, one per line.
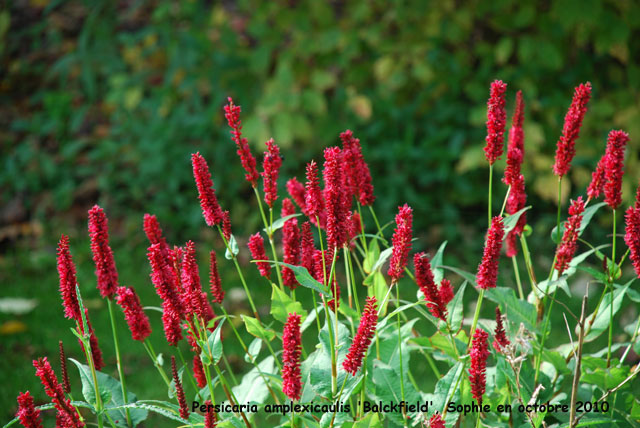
(515, 149)
(67, 274)
(208, 201)
(401, 242)
(445, 291)
(571, 130)
(496, 121)
(298, 193)
(314, 202)
(637, 203)
(214, 278)
(198, 372)
(596, 187)
(500, 336)
(358, 176)
(354, 228)
(271, 165)
(436, 422)
(290, 243)
(632, 236)
(367, 328)
(184, 409)
(424, 279)
(569, 244)
(613, 168)
(66, 385)
(226, 225)
(488, 268)
(307, 249)
(291, 350)
(165, 277)
(54, 390)
(27, 414)
(137, 320)
(515, 202)
(192, 288)
(211, 417)
(171, 324)
(324, 277)
(479, 354)
(102, 255)
(256, 247)
(336, 198)
(232, 114)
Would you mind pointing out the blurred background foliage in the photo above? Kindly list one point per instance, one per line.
(102, 101)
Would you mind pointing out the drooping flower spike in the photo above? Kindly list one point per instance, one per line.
(215, 282)
(208, 201)
(67, 274)
(500, 337)
(291, 351)
(232, 114)
(424, 279)
(632, 236)
(336, 198)
(565, 149)
(256, 247)
(137, 320)
(488, 269)
(401, 242)
(271, 169)
(53, 389)
(613, 168)
(182, 401)
(569, 244)
(477, 373)
(363, 337)
(102, 255)
(27, 414)
(496, 121)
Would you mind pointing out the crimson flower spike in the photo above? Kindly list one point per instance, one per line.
(613, 169)
(66, 385)
(336, 198)
(207, 194)
(424, 279)
(565, 149)
(516, 200)
(488, 269)
(96, 353)
(211, 417)
(291, 350)
(307, 249)
(190, 279)
(501, 340)
(358, 174)
(632, 236)
(362, 339)
(596, 187)
(184, 409)
(515, 148)
(496, 121)
(226, 225)
(569, 244)
(314, 201)
(27, 414)
(232, 114)
(271, 166)
(171, 324)
(102, 255)
(215, 282)
(164, 279)
(137, 320)
(66, 412)
(290, 243)
(401, 243)
(67, 274)
(198, 372)
(479, 354)
(436, 421)
(298, 193)
(256, 247)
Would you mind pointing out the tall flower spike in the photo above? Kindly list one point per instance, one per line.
(290, 243)
(232, 114)
(424, 279)
(256, 247)
(291, 350)
(565, 149)
(184, 409)
(191, 282)
(500, 337)
(66, 385)
(271, 165)
(307, 249)
(367, 328)
(515, 149)
(27, 414)
(298, 193)
(198, 372)
(54, 390)
(613, 169)
(358, 174)
(211, 417)
(137, 320)
(102, 255)
(488, 268)
(214, 278)
(445, 291)
(401, 242)
(516, 200)
(208, 201)
(336, 198)
(67, 274)
(436, 422)
(479, 354)
(596, 187)
(314, 203)
(164, 279)
(226, 225)
(171, 324)
(569, 244)
(496, 121)
(632, 236)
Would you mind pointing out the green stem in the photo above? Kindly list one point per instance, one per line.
(363, 239)
(123, 385)
(490, 193)
(559, 204)
(273, 250)
(612, 277)
(544, 336)
(89, 356)
(404, 420)
(516, 271)
(527, 261)
(154, 358)
(375, 219)
(476, 316)
(332, 344)
(354, 285)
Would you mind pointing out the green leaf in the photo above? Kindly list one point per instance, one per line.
(517, 311)
(254, 350)
(601, 322)
(371, 420)
(380, 290)
(371, 257)
(305, 279)
(233, 245)
(253, 388)
(255, 328)
(282, 305)
(110, 394)
(279, 223)
(436, 262)
(511, 220)
(456, 308)
(556, 236)
(168, 410)
(212, 352)
(446, 389)
(378, 264)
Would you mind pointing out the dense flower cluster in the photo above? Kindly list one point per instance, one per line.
(27, 414)
(66, 385)
(198, 372)
(367, 328)
(358, 174)
(102, 255)
(401, 242)
(488, 268)
(67, 274)
(496, 121)
(291, 350)
(479, 354)
(182, 401)
(66, 412)
(211, 417)
(569, 244)
(632, 236)
(290, 243)
(232, 114)
(226, 225)
(336, 202)
(500, 337)
(137, 320)
(271, 169)
(436, 299)
(613, 168)
(256, 247)
(307, 249)
(313, 201)
(435, 422)
(571, 130)
(208, 201)
(596, 187)
(165, 279)
(215, 283)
